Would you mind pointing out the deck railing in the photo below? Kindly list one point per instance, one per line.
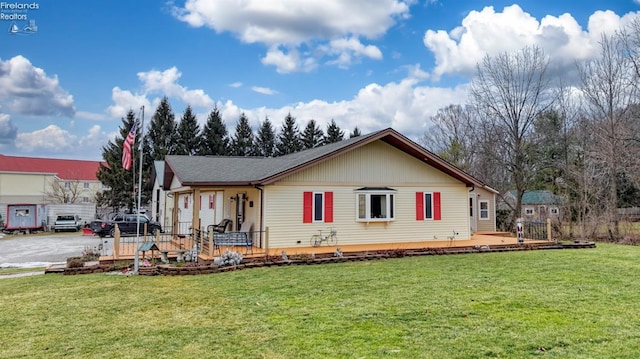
(538, 231)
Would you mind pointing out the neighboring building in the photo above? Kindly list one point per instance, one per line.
(30, 180)
(376, 188)
(537, 205)
(161, 208)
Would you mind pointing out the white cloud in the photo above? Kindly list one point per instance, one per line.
(236, 84)
(162, 83)
(347, 48)
(405, 105)
(488, 32)
(166, 82)
(50, 139)
(8, 130)
(124, 101)
(264, 90)
(291, 23)
(28, 90)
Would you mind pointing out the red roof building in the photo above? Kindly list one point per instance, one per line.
(71, 170)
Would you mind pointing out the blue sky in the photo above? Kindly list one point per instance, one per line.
(367, 63)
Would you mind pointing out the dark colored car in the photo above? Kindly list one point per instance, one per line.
(126, 223)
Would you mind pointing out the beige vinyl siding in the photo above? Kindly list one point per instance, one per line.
(283, 216)
(486, 225)
(377, 164)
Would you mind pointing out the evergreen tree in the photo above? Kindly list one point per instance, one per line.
(312, 135)
(289, 137)
(242, 142)
(162, 138)
(188, 134)
(266, 139)
(334, 133)
(355, 133)
(120, 182)
(215, 139)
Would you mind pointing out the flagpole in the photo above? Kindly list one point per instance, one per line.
(136, 264)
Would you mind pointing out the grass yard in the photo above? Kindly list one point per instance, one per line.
(531, 304)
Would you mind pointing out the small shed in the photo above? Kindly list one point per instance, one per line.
(26, 217)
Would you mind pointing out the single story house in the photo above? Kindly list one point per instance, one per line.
(537, 205)
(380, 188)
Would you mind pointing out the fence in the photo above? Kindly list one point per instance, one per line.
(537, 230)
(124, 246)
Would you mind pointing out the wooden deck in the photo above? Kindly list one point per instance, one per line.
(491, 239)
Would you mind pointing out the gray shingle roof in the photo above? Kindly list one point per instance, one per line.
(226, 170)
(245, 170)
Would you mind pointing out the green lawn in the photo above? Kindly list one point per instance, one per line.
(550, 304)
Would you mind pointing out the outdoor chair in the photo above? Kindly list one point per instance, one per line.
(221, 227)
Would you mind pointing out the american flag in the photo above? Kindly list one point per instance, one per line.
(127, 158)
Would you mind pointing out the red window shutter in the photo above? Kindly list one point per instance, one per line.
(307, 207)
(328, 207)
(419, 206)
(437, 208)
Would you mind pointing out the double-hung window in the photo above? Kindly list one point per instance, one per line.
(375, 204)
(484, 209)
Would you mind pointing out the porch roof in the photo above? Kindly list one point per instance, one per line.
(239, 171)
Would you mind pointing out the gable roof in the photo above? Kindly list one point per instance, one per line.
(201, 170)
(537, 197)
(72, 170)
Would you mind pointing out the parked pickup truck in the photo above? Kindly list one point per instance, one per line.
(126, 223)
(67, 222)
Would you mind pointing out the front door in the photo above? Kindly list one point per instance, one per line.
(473, 224)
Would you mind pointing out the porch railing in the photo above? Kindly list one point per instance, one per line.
(204, 240)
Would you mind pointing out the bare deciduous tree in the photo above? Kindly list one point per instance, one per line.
(65, 191)
(452, 136)
(509, 91)
(607, 84)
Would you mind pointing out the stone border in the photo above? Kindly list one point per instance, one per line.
(201, 268)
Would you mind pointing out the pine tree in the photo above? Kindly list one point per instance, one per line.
(334, 133)
(188, 134)
(120, 182)
(312, 135)
(242, 142)
(265, 141)
(289, 137)
(355, 133)
(215, 138)
(162, 137)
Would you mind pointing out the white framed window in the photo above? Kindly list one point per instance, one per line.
(529, 211)
(554, 211)
(67, 185)
(484, 210)
(86, 185)
(375, 204)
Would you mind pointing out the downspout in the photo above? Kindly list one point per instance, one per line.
(261, 189)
